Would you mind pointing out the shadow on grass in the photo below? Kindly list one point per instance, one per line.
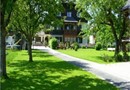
(37, 53)
(40, 76)
(50, 74)
(43, 82)
(41, 55)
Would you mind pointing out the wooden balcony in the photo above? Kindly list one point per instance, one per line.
(71, 33)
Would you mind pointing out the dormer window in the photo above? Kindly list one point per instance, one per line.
(69, 14)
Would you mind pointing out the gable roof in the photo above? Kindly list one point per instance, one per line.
(70, 19)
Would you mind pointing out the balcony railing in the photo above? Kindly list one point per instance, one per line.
(71, 32)
(57, 32)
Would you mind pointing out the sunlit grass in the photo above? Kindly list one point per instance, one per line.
(89, 54)
(48, 73)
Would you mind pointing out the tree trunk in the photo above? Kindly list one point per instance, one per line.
(0, 45)
(30, 50)
(3, 72)
(125, 55)
(117, 49)
(122, 33)
(5, 14)
(3, 53)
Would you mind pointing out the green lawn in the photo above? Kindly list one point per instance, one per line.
(48, 73)
(89, 54)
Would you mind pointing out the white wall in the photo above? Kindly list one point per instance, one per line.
(10, 40)
(91, 39)
(84, 42)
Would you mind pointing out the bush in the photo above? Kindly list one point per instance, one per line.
(67, 45)
(119, 57)
(61, 45)
(83, 47)
(98, 46)
(75, 46)
(107, 58)
(53, 43)
(125, 57)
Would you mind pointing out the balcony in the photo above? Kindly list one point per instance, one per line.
(56, 32)
(71, 32)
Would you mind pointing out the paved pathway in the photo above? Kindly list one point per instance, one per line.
(117, 74)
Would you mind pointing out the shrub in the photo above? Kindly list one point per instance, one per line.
(61, 45)
(118, 57)
(75, 46)
(83, 47)
(53, 43)
(107, 58)
(67, 45)
(125, 57)
(98, 46)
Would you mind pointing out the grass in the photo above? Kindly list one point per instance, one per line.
(48, 73)
(89, 54)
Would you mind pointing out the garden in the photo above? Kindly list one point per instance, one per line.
(46, 73)
(96, 53)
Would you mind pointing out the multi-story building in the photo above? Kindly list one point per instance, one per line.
(70, 29)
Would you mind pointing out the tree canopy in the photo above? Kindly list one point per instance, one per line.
(105, 13)
(25, 16)
(29, 15)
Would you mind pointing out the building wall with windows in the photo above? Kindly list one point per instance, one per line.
(69, 31)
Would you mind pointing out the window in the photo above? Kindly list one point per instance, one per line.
(74, 27)
(79, 39)
(59, 39)
(69, 14)
(68, 28)
(66, 39)
(58, 28)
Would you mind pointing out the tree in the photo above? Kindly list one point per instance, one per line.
(6, 8)
(103, 37)
(108, 13)
(30, 14)
(100, 32)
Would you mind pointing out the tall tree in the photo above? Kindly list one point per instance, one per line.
(108, 13)
(6, 8)
(28, 15)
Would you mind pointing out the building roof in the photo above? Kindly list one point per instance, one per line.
(70, 19)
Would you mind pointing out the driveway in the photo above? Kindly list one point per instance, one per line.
(117, 74)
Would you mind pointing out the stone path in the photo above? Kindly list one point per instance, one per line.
(117, 74)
